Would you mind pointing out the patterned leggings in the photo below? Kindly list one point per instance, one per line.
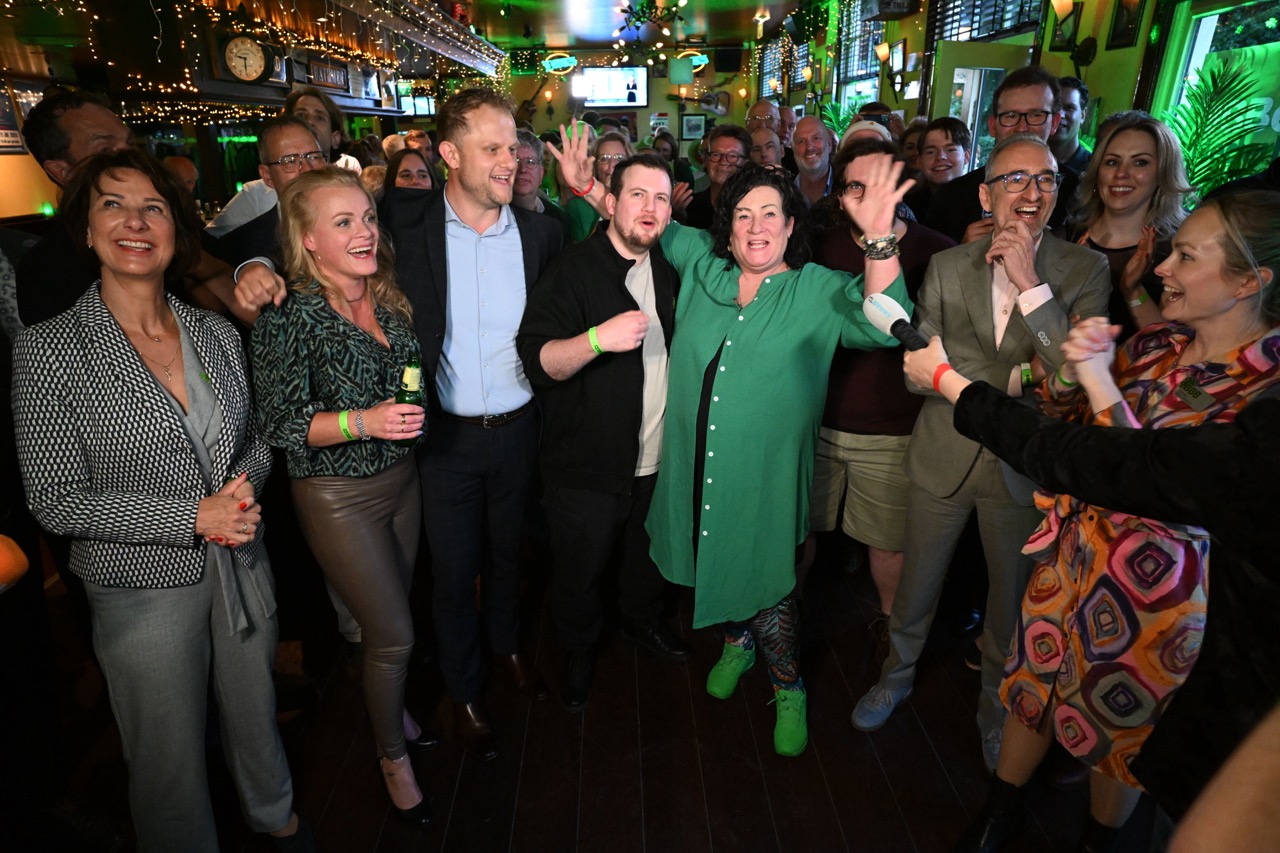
(777, 630)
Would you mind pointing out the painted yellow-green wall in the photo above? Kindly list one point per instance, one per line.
(1112, 77)
(26, 187)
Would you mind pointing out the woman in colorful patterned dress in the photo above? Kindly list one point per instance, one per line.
(327, 363)
(1113, 615)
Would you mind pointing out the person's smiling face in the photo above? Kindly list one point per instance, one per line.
(761, 229)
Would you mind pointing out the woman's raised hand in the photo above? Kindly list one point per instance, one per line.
(576, 165)
(1090, 348)
(874, 212)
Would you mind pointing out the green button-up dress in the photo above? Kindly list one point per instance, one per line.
(765, 409)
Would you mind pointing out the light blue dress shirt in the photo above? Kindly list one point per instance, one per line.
(480, 372)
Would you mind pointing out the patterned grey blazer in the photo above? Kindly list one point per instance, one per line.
(105, 458)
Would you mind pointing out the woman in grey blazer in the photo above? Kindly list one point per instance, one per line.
(133, 426)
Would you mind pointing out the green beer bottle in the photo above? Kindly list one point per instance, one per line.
(410, 392)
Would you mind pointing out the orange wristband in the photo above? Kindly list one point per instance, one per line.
(939, 372)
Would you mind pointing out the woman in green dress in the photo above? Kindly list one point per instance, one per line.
(756, 327)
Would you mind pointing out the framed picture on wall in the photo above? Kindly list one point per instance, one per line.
(898, 56)
(1064, 31)
(1126, 20)
(693, 126)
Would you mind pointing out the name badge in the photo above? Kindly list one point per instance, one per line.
(1190, 392)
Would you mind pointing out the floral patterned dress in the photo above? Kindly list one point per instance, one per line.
(1113, 615)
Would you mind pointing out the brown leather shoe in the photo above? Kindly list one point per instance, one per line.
(474, 730)
(526, 676)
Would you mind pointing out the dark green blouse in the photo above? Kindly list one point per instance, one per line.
(308, 358)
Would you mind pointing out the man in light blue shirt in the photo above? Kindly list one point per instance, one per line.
(465, 258)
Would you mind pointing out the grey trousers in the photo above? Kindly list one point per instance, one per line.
(364, 533)
(934, 526)
(157, 648)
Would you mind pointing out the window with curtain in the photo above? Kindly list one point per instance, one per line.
(969, 20)
(858, 39)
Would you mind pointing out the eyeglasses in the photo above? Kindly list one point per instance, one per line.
(293, 162)
(852, 190)
(730, 157)
(1035, 118)
(610, 158)
(1016, 182)
(531, 162)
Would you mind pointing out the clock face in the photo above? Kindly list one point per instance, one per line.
(246, 59)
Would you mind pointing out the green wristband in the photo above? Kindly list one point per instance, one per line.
(1027, 378)
(342, 425)
(595, 342)
(1064, 382)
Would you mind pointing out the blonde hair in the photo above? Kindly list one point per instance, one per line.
(1165, 211)
(298, 216)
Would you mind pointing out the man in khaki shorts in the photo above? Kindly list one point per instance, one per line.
(869, 413)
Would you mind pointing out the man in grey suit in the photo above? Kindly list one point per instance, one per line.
(1001, 306)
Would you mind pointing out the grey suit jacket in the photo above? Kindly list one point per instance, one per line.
(104, 457)
(955, 304)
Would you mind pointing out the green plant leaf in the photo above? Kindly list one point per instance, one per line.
(1214, 120)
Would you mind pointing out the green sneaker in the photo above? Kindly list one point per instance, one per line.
(734, 661)
(791, 731)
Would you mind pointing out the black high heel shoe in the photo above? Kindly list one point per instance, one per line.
(420, 813)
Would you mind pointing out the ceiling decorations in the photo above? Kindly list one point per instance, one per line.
(638, 14)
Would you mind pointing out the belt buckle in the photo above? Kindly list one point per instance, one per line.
(485, 421)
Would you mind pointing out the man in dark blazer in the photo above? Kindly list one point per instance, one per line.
(1026, 101)
(466, 258)
(1001, 306)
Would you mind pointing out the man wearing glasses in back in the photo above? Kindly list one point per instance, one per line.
(728, 147)
(1027, 101)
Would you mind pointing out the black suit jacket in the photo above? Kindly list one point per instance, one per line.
(257, 238)
(414, 219)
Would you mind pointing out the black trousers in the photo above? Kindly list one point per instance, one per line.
(476, 485)
(586, 526)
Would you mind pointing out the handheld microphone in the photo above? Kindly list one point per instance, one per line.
(889, 317)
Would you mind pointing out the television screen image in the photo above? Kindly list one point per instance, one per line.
(612, 87)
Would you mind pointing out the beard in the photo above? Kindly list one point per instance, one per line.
(636, 240)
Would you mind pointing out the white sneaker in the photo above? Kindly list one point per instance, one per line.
(875, 708)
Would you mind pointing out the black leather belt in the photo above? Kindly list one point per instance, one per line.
(491, 421)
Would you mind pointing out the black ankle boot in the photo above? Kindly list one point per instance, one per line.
(999, 822)
(1097, 837)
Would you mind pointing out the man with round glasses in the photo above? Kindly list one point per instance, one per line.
(1001, 305)
(1026, 101)
(287, 148)
(728, 147)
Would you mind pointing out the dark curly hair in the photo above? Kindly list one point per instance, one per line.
(744, 181)
(78, 198)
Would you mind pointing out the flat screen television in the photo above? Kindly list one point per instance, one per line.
(603, 88)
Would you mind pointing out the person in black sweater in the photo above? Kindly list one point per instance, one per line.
(594, 344)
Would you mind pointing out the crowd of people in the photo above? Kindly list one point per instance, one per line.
(670, 375)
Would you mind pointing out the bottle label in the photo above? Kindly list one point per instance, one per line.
(412, 380)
